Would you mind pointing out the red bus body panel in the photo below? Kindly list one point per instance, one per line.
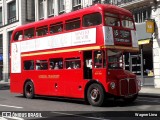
(69, 83)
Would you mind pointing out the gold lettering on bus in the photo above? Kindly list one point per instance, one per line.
(56, 76)
(98, 73)
(49, 76)
(42, 76)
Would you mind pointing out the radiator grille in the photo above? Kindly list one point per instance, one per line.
(127, 87)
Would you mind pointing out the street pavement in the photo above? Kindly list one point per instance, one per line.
(146, 91)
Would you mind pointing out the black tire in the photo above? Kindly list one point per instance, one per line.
(95, 95)
(29, 90)
(130, 99)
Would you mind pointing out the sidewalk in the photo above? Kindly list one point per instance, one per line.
(149, 91)
(4, 85)
(146, 91)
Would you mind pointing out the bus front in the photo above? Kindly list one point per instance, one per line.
(119, 36)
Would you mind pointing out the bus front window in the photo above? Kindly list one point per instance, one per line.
(119, 20)
(112, 19)
(127, 22)
(115, 59)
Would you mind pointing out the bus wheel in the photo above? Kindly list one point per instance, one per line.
(95, 95)
(130, 99)
(29, 90)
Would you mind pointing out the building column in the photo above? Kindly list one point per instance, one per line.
(68, 6)
(56, 8)
(45, 6)
(156, 45)
(36, 11)
(5, 57)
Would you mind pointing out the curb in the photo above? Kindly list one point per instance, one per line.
(153, 95)
(4, 85)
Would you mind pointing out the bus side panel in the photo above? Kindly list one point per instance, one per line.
(99, 36)
(16, 83)
(58, 86)
(73, 83)
(40, 81)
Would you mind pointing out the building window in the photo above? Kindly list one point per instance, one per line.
(96, 1)
(51, 7)
(120, 2)
(61, 6)
(30, 10)
(1, 41)
(1, 16)
(76, 4)
(140, 15)
(107, 1)
(41, 9)
(12, 12)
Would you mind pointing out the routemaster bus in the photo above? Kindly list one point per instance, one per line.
(76, 55)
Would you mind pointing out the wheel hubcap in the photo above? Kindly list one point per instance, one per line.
(94, 94)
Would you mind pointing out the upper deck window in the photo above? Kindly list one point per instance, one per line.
(55, 28)
(127, 22)
(41, 31)
(18, 35)
(92, 19)
(73, 24)
(29, 33)
(112, 19)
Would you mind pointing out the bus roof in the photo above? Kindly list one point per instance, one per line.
(78, 13)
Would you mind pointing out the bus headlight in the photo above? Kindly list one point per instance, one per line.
(112, 85)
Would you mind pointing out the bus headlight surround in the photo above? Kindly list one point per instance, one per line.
(112, 85)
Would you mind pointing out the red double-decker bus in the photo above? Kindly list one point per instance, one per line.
(76, 55)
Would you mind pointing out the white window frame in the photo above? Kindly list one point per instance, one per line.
(51, 7)
(76, 3)
(41, 9)
(61, 6)
(11, 18)
(96, 1)
(1, 16)
(139, 14)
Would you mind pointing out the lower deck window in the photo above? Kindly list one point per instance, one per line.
(73, 63)
(29, 65)
(41, 65)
